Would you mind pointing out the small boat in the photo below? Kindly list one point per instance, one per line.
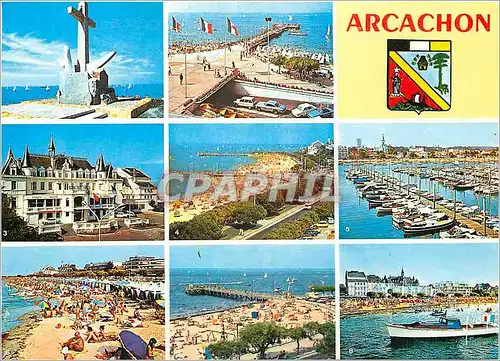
(14, 89)
(438, 313)
(296, 33)
(290, 17)
(27, 88)
(428, 226)
(444, 328)
(129, 86)
(328, 32)
(47, 88)
(265, 275)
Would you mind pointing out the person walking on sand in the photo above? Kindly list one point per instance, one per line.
(181, 78)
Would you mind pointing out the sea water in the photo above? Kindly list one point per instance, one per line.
(39, 92)
(184, 157)
(366, 337)
(240, 279)
(357, 221)
(12, 308)
(315, 25)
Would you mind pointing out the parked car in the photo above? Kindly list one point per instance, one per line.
(330, 220)
(271, 106)
(246, 102)
(320, 113)
(125, 214)
(302, 110)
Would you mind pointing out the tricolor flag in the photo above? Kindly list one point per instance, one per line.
(206, 26)
(96, 197)
(231, 28)
(176, 26)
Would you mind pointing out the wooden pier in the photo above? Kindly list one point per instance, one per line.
(222, 292)
(469, 223)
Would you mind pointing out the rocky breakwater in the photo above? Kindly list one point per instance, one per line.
(14, 341)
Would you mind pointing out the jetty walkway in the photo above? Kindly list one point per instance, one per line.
(223, 292)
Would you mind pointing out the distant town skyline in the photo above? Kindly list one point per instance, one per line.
(27, 260)
(420, 134)
(429, 263)
(253, 257)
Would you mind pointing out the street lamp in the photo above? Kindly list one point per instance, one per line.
(104, 216)
(268, 21)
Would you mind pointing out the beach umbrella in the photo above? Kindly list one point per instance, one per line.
(208, 354)
(54, 302)
(161, 303)
(43, 304)
(133, 344)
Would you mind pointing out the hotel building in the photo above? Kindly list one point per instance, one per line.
(145, 265)
(49, 190)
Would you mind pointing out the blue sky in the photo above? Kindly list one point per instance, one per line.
(250, 7)
(25, 260)
(253, 256)
(430, 263)
(34, 34)
(430, 134)
(124, 145)
(261, 134)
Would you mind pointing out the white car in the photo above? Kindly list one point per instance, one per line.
(302, 110)
(124, 214)
(246, 102)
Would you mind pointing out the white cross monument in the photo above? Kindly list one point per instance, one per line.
(84, 22)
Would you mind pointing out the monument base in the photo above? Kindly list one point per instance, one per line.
(82, 89)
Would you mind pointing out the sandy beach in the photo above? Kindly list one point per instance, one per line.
(190, 335)
(267, 164)
(40, 334)
(358, 307)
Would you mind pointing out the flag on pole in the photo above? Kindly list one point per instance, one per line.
(231, 28)
(176, 26)
(96, 197)
(206, 26)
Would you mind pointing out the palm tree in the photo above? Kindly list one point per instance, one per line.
(440, 61)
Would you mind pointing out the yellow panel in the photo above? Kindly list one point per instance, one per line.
(440, 46)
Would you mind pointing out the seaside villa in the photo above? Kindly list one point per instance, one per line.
(49, 190)
(359, 285)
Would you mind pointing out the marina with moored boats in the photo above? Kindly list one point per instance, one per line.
(442, 200)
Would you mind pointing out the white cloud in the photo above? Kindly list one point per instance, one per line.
(28, 60)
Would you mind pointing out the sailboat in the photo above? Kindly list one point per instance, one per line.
(244, 274)
(265, 275)
(47, 88)
(290, 18)
(14, 89)
(328, 32)
(129, 86)
(27, 88)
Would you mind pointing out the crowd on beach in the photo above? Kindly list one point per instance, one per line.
(191, 335)
(375, 305)
(83, 316)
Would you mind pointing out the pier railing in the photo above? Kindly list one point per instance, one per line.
(223, 292)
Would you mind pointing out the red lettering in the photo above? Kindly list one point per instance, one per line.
(421, 23)
(408, 23)
(372, 20)
(446, 22)
(385, 20)
(484, 22)
(355, 22)
(458, 23)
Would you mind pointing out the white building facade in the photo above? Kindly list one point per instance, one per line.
(51, 189)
